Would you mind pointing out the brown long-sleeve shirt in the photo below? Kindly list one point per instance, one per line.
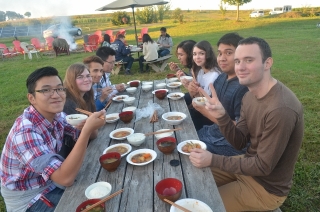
(274, 125)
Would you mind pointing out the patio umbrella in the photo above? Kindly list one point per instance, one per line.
(124, 4)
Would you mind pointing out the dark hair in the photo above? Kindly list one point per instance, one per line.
(211, 59)
(163, 29)
(32, 79)
(91, 59)
(232, 39)
(187, 46)
(263, 45)
(120, 36)
(146, 38)
(106, 38)
(104, 52)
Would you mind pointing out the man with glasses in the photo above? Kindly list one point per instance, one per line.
(107, 55)
(32, 173)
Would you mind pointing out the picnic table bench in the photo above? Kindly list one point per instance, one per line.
(159, 64)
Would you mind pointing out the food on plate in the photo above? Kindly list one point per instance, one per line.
(111, 118)
(175, 95)
(120, 98)
(174, 84)
(174, 117)
(119, 149)
(201, 100)
(98, 208)
(188, 146)
(141, 158)
(121, 134)
(110, 160)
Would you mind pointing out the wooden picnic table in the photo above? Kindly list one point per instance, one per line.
(139, 182)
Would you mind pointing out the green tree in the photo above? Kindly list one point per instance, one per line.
(162, 9)
(223, 8)
(28, 14)
(119, 18)
(177, 15)
(146, 15)
(237, 3)
(2, 16)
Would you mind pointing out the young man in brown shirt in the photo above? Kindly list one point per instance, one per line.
(272, 119)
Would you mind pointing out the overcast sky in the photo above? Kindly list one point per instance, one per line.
(76, 7)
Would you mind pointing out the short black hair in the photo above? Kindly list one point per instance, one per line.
(104, 52)
(163, 29)
(232, 39)
(263, 45)
(38, 74)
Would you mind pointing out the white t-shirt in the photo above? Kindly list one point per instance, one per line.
(150, 51)
(205, 79)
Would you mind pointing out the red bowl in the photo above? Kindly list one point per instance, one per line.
(110, 167)
(169, 188)
(134, 84)
(161, 94)
(84, 204)
(171, 76)
(126, 116)
(167, 145)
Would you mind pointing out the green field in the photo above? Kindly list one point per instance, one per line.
(295, 43)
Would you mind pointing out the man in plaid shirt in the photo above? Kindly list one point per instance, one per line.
(32, 174)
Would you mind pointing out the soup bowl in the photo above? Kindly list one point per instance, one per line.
(131, 90)
(169, 188)
(167, 145)
(126, 116)
(90, 202)
(110, 161)
(75, 119)
(134, 84)
(161, 94)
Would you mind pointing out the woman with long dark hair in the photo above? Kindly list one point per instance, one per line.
(150, 51)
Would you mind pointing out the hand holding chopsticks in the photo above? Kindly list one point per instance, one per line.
(177, 206)
(87, 113)
(103, 200)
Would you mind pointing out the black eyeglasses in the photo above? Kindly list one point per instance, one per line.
(50, 91)
(112, 63)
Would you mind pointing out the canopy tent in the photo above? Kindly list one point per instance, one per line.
(124, 4)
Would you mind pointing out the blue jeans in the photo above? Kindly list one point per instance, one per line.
(54, 196)
(163, 52)
(129, 63)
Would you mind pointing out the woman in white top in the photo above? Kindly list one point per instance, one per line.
(150, 51)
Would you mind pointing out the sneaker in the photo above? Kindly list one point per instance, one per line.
(128, 72)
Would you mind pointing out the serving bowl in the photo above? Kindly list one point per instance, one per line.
(136, 139)
(166, 145)
(200, 100)
(126, 116)
(110, 161)
(121, 148)
(98, 190)
(112, 117)
(160, 85)
(90, 202)
(146, 87)
(142, 152)
(131, 90)
(161, 94)
(121, 133)
(169, 188)
(129, 100)
(132, 108)
(174, 84)
(75, 119)
(175, 96)
(174, 118)
(189, 78)
(192, 205)
(162, 135)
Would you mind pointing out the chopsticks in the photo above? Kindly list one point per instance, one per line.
(103, 200)
(164, 131)
(88, 113)
(107, 105)
(177, 206)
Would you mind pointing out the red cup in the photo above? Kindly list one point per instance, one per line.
(169, 188)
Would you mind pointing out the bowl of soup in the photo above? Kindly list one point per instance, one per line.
(75, 119)
(110, 161)
(121, 133)
(126, 116)
(169, 188)
(88, 203)
(200, 100)
(174, 118)
(161, 94)
(166, 145)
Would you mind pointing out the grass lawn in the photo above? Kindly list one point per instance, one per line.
(295, 45)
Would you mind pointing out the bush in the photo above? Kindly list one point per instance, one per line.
(120, 18)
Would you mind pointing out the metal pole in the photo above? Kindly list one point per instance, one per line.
(134, 22)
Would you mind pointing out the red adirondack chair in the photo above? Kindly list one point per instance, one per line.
(37, 44)
(17, 47)
(49, 41)
(93, 43)
(110, 33)
(99, 33)
(143, 31)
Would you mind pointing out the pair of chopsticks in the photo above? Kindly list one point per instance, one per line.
(164, 131)
(107, 105)
(177, 206)
(103, 200)
(88, 113)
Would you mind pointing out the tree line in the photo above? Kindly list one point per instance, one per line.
(11, 15)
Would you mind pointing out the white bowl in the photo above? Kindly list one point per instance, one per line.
(128, 83)
(175, 96)
(119, 98)
(131, 90)
(128, 146)
(192, 205)
(113, 117)
(130, 130)
(75, 119)
(139, 151)
(173, 79)
(174, 84)
(146, 87)
(136, 139)
(98, 190)
(147, 83)
(162, 135)
(181, 144)
(173, 122)
(200, 100)
(154, 92)
(132, 108)
(129, 100)
(161, 85)
(189, 78)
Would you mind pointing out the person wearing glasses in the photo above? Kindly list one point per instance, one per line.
(79, 94)
(33, 174)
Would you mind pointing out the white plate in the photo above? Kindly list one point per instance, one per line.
(121, 129)
(172, 95)
(128, 146)
(128, 83)
(98, 190)
(153, 92)
(153, 154)
(192, 205)
(173, 122)
(116, 115)
(181, 144)
(174, 84)
(119, 100)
